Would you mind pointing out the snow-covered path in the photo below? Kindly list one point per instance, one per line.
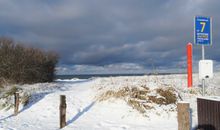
(44, 112)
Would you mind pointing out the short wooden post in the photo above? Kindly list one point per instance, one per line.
(183, 116)
(62, 111)
(16, 104)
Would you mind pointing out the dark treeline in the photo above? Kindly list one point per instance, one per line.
(20, 64)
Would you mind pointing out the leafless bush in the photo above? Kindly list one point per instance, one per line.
(20, 64)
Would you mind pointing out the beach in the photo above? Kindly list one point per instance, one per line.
(86, 112)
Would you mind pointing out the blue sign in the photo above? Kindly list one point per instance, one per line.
(203, 30)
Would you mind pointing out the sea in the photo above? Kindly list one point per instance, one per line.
(88, 76)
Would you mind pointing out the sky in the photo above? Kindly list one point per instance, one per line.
(112, 36)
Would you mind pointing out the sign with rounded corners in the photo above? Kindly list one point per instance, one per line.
(203, 30)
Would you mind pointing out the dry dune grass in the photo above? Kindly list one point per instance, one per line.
(142, 98)
(7, 97)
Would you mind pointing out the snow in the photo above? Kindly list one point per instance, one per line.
(183, 102)
(211, 98)
(85, 113)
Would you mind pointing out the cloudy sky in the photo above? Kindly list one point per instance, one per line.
(112, 36)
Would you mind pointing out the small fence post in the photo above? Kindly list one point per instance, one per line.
(183, 116)
(16, 103)
(62, 111)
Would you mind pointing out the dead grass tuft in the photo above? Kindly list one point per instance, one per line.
(11, 91)
(7, 97)
(155, 99)
(168, 94)
(25, 99)
(141, 98)
(114, 94)
(136, 105)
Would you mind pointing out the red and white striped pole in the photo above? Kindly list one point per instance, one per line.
(189, 64)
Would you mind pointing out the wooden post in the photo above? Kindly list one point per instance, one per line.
(183, 116)
(16, 105)
(62, 111)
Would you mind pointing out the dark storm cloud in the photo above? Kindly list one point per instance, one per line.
(103, 33)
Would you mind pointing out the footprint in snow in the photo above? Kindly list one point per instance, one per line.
(119, 127)
(8, 128)
(113, 126)
(25, 125)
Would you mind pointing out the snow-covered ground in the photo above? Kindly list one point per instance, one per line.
(85, 113)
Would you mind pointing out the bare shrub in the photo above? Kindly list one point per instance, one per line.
(20, 64)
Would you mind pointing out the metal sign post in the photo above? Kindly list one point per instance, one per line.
(203, 80)
(203, 36)
(203, 52)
